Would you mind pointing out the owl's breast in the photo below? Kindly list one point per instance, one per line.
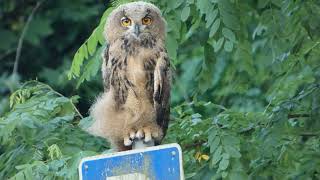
(139, 96)
(132, 75)
(136, 72)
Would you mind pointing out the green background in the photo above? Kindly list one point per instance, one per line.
(245, 92)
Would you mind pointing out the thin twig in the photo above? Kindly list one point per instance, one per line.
(309, 134)
(290, 116)
(59, 94)
(194, 144)
(20, 43)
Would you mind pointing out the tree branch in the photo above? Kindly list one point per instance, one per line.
(193, 145)
(20, 43)
(308, 134)
(290, 116)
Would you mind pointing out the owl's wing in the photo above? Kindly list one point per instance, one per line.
(161, 96)
(106, 70)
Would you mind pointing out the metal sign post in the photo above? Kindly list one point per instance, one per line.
(162, 162)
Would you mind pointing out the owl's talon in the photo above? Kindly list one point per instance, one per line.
(147, 139)
(127, 141)
(132, 135)
(147, 134)
(139, 134)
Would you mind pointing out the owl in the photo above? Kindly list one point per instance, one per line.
(136, 77)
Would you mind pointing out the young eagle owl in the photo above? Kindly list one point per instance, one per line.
(136, 74)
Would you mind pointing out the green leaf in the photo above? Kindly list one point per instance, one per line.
(228, 46)
(203, 6)
(229, 140)
(263, 3)
(229, 19)
(28, 173)
(84, 51)
(217, 155)
(76, 64)
(224, 174)
(178, 3)
(217, 45)
(89, 47)
(190, 1)
(214, 144)
(92, 44)
(308, 46)
(232, 151)
(172, 46)
(214, 27)
(211, 17)
(227, 33)
(23, 166)
(91, 68)
(237, 176)
(212, 135)
(185, 13)
(193, 28)
(224, 163)
(18, 176)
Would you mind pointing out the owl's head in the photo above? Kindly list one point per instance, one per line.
(135, 21)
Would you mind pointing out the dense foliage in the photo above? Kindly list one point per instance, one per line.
(245, 96)
(40, 137)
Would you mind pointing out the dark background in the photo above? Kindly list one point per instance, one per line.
(56, 31)
(245, 93)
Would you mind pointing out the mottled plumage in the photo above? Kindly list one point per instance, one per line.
(136, 77)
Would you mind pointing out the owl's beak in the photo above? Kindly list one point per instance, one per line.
(136, 30)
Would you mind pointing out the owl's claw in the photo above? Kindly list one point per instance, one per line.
(140, 134)
(132, 135)
(145, 133)
(127, 141)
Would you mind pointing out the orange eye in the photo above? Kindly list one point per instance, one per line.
(125, 21)
(146, 20)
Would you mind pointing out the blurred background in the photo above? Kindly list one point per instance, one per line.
(55, 31)
(245, 93)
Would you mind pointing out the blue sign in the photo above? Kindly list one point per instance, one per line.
(162, 162)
